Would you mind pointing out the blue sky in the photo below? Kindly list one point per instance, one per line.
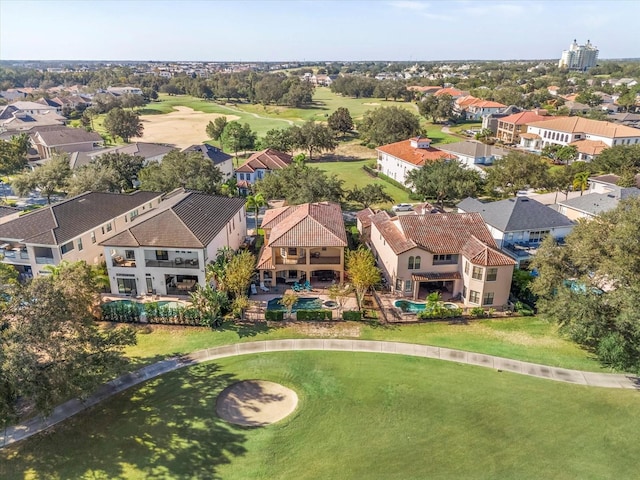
(313, 30)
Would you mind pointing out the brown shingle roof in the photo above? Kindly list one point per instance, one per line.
(308, 225)
(186, 220)
(56, 224)
(416, 156)
(68, 135)
(268, 159)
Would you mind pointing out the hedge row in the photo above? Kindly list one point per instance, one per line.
(370, 171)
(352, 315)
(314, 315)
(274, 315)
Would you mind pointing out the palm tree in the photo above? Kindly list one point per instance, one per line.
(255, 202)
(217, 270)
(581, 181)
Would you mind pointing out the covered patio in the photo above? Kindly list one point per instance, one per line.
(446, 283)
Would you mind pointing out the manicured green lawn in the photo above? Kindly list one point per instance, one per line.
(354, 176)
(360, 416)
(524, 338)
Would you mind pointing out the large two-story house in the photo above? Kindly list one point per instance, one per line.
(70, 230)
(519, 224)
(589, 137)
(452, 253)
(164, 251)
(396, 160)
(258, 166)
(303, 242)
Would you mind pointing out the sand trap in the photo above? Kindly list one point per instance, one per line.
(372, 104)
(255, 403)
(181, 128)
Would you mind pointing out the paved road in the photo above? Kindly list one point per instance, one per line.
(62, 412)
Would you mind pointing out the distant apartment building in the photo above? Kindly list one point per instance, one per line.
(579, 57)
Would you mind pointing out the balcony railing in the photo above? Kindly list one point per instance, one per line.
(325, 260)
(44, 260)
(291, 261)
(124, 263)
(175, 263)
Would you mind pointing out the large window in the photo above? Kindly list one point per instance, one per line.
(79, 244)
(414, 262)
(487, 298)
(477, 273)
(130, 254)
(537, 236)
(67, 247)
(407, 285)
(492, 274)
(445, 259)
(474, 297)
(162, 255)
(93, 237)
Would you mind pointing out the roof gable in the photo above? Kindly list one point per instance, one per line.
(309, 225)
(268, 159)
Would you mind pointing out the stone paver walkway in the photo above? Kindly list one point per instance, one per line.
(72, 407)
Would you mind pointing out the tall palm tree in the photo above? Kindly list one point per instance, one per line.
(255, 202)
(581, 181)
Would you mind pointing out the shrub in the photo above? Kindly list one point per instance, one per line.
(274, 315)
(314, 315)
(370, 171)
(524, 309)
(352, 315)
(478, 312)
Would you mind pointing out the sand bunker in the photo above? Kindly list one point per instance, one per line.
(181, 128)
(255, 403)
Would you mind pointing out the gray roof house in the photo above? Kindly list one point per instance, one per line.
(593, 204)
(70, 229)
(519, 224)
(472, 153)
(150, 152)
(220, 159)
(65, 139)
(165, 250)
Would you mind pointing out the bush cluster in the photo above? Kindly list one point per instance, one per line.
(352, 315)
(314, 315)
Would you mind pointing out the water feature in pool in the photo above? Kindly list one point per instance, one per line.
(408, 306)
(303, 303)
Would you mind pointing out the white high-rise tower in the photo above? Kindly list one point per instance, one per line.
(579, 57)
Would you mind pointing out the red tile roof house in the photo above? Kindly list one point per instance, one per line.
(510, 127)
(303, 242)
(164, 251)
(396, 160)
(452, 253)
(474, 108)
(258, 165)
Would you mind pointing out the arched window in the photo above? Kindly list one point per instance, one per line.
(411, 262)
(416, 264)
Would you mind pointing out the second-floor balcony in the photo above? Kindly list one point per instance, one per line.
(14, 254)
(177, 262)
(324, 259)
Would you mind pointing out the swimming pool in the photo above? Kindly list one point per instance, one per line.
(303, 303)
(408, 306)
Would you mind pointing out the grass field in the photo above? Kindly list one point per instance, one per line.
(360, 416)
(354, 176)
(526, 338)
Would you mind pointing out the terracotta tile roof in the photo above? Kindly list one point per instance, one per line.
(454, 92)
(465, 101)
(243, 184)
(416, 156)
(436, 233)
(308, 225)
(529, 135)
(388, 228)
(184, 219)
(525, 117)
(264, 259)
(487, 104)
(590, 147)
(585, 125)
(480, 253)
(268, 159)
(273, 216)
(365, 217)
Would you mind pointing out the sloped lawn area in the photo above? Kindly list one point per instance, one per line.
(360, 416)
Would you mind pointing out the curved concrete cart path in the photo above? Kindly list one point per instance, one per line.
(72, 407)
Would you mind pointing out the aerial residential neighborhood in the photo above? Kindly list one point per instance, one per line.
(315, 240)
